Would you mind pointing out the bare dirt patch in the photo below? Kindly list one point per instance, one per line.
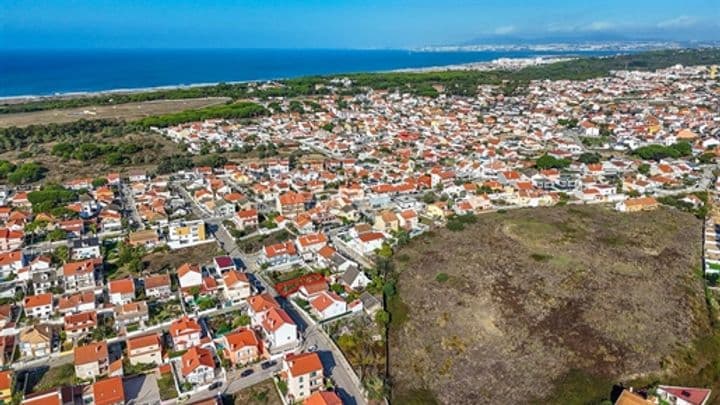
(532, 296)
(201, 254)
(263, 393)
(129, 111)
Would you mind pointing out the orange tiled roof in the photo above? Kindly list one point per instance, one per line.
(301, 364)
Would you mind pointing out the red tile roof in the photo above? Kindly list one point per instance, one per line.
(195, 357)
(144, 341)
(305, 363)
(109, 391)
(91, 353)
(241, 338)
(323, 398)
(124, 286)
(32, 301)
(184, 326)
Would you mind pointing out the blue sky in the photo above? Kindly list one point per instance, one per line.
(341, 23)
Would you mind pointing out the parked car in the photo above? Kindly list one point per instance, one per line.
(247, 372)
(266, 365)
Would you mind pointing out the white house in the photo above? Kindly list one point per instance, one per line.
(185, 333)
(86, 249)
(121, 291)
(11, 262)
(38, 306)
(197, 366)
(280, 330)
(303, 374)
(259, 305)
(236, 286)
(683, 395)
(189, 276)
(327, 305)
(354, 279)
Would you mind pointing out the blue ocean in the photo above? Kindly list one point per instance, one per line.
(33, 72)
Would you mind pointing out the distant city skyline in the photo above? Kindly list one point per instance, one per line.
(344, 24)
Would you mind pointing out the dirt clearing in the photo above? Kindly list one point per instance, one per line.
(129, 111)
(529, 297)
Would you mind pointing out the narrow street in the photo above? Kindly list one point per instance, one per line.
(336, 368)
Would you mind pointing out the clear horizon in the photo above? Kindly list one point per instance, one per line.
(352, 24)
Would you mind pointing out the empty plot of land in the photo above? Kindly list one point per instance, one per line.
(263, 393)
(201, 254)
(511, 306)
(129, 111)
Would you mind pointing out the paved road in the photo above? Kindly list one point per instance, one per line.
(59, 359)
(236, 382)
(129, 204)
(335, 366)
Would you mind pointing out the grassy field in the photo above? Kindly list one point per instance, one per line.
(550, 305)
(263, 393)
(129, 111)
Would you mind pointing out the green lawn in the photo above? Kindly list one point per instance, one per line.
(166, 386)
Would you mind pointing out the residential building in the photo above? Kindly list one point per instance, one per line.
(145, 350)
(6, 386)
(146, 238)
(323, 398)
(36, 341)
(131, 313)
(80, 302)
(91, 360)
(80, 275)
(637, 204)
(354, 279)
(186, 233)
(109, 391)
(258, 307)
(157, 286)
(280, 330)
(242, 347)
(85, 249)
(53, 397)
(80, 324)
(189, 276)
(10, 240)
(683, 395)
(303, 374)
(121, 291)
(198, 366)
(38, 306)
(185, 333)
(11, 262)
(236, 286)
(326, 305)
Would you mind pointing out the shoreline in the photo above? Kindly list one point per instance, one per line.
(500, 63)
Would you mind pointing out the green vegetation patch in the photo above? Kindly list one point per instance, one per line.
(166, 386)
(56, 377)
(578, 387)
(228, 111)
